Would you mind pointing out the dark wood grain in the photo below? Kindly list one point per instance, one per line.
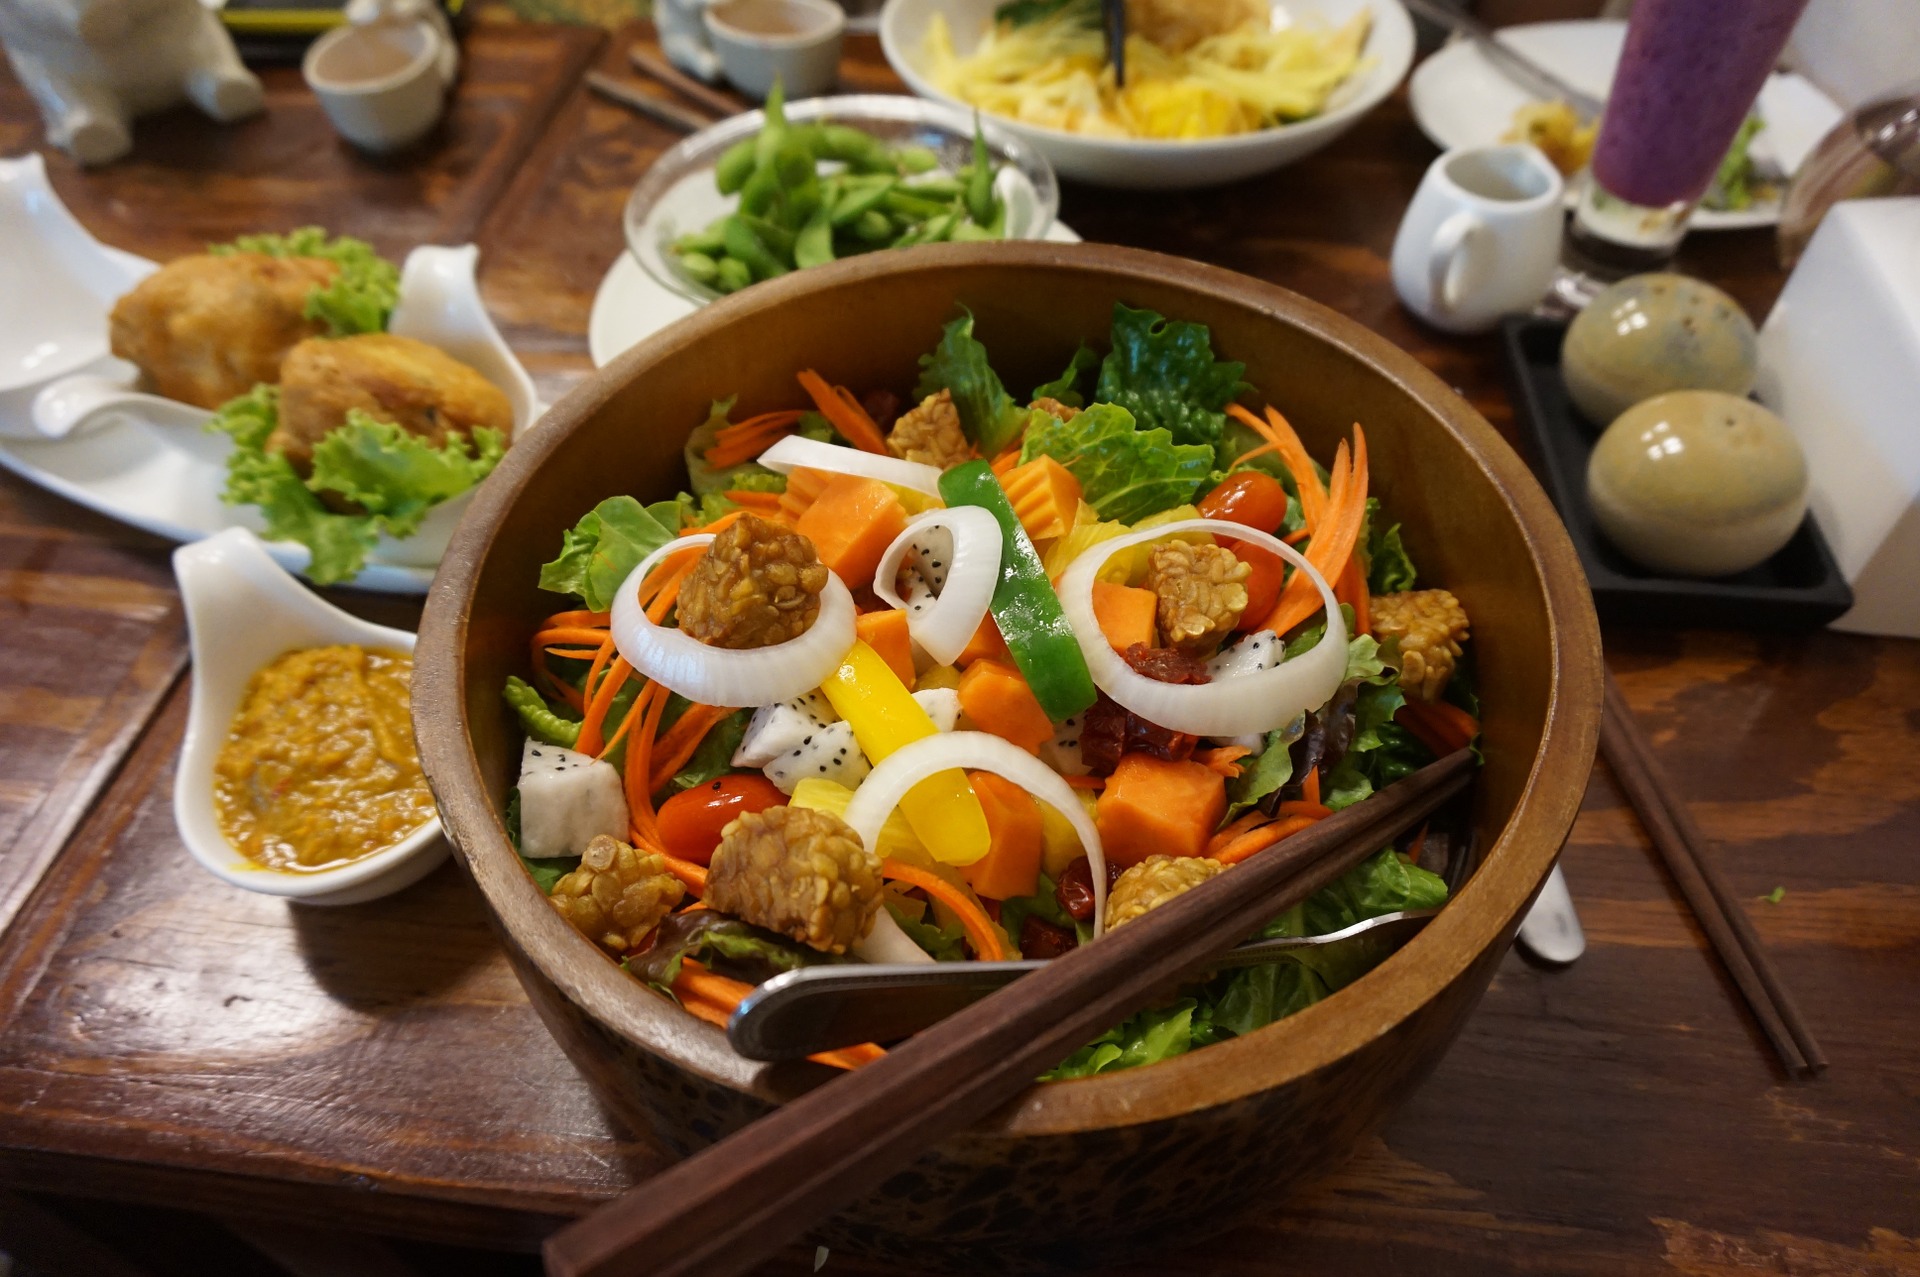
(165, 1040)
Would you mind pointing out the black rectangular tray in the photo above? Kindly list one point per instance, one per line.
(1798, 588)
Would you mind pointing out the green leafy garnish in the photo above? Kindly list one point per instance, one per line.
(713, 757)
(603, 549)
(1380, 751)
(1389, 569)
(1164, 373)
(1042, 904)
(943, 944)
(727, 945)
(1732, 186)
(392, 478)
(959, 365)
(1775, 896)
(363, 293)
(1233, 1003)
(537, 718)
(1072, 386)
(1125, 473)
(1265, 772)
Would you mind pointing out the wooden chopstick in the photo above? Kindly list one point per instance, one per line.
(1682, 846)
(674, 117)
(727, 1208)
(658, 68)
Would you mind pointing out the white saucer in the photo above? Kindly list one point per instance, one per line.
(630, 306)
(1461, 99)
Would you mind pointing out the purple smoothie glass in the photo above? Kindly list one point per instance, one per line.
(1688, 75)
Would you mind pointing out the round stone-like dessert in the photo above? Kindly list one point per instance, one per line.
(1649, 334)
(1697, 483)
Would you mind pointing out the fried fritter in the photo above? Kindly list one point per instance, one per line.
(417, 387)
(204, 328)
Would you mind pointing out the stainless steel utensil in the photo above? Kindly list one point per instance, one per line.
(815, 1009)
(1518, 67)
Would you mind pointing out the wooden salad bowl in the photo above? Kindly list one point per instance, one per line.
(1074, 1170)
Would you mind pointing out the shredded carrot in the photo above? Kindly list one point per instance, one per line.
(601, 658)
(1295, 538)
(719, 525)
(693, 877)
(1334, 537)
(981, 932)
(1351, 589)
(1297, 807)
(570, 620)
(593, 722)
(1310, 787)
(1252, 820)
(1006, 461)
(569, 634)
(671, 752)
(764, 504)
(1412, 853)
(1281, 438)
(649, 706)
(574, 653)
(1086, 782)
(1441, 727)
(1225, 760)
(845, 412)
(1262, 838)
(745, 440)
(714, 998)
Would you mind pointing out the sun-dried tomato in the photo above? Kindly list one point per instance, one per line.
(1166, 665)
(1108, 730)
(1042, 939)
(1074, 891)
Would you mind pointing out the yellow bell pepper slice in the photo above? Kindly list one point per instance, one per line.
(884, 716)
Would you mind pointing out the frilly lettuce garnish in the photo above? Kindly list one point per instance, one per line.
(364, 291)
(390, 477)
(604, 548)
(1164, 373)
(958, 364)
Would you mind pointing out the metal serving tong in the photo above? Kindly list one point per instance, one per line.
(814, 1009)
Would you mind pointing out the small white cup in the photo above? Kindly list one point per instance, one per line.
(794, 41)
(1481, 238)
(383, 84)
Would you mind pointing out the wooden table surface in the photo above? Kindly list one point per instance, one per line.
(165, 1039)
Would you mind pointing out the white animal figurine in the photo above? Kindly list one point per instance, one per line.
(93, 65)
(683, 36)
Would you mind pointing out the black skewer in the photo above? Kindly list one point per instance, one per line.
(1115, 13)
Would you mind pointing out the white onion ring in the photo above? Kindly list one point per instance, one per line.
(727, 676)
(886, 942)
(907, 766)
(945, 628)
(1255, 702)
(796, 451)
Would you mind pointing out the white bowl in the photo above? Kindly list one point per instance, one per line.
(243, 611)
(1151, 165)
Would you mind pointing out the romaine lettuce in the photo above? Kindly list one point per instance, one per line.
(1125, 473)
(1071, 387)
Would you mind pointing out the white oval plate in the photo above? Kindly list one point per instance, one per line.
(632, 306)
(1461, 99)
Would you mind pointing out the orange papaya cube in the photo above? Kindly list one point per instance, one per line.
(851, 524)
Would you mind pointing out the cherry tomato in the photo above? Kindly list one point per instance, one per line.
(1263, 583)
(691, 820)
(1250, 497)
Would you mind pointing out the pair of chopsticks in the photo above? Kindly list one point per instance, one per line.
(733, 1205)
(1682, 846)
(671, 114)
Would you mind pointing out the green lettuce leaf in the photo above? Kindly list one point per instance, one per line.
(714, 757)
(943, 944)
(604, 548)
(1266, 771)
(363, 293)
(1380, 752)
(396, 475)
(1237, 1002)
(729, 946)
(393, 478)
(1164, 373)
(1072, 386)
(1044, 905)
(1389, 569)
(1125, 473)
(959, 364)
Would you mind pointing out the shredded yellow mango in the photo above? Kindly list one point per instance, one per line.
(1194, 70)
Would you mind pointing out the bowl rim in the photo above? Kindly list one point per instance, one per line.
(1483, 914)
(1384, 79)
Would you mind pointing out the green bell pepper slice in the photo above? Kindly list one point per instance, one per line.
(1024, 605)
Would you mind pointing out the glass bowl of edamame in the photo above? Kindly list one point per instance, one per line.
(799, 184)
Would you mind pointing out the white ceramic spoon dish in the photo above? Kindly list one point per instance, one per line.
(73, 279)
(156, 475)
(243, 612)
